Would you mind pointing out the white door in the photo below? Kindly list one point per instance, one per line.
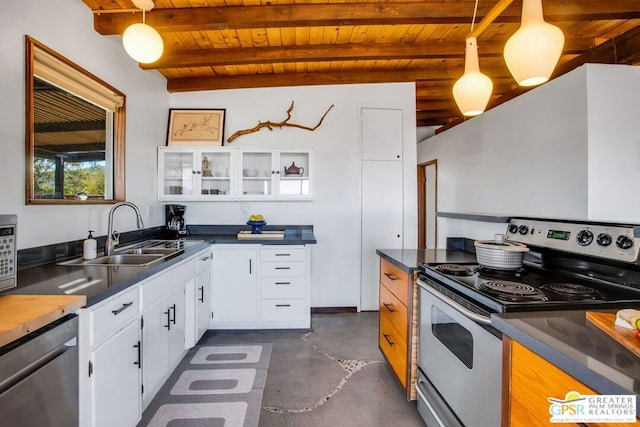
(382, 222)
(381, 133)
(155, 336)
(176, 304)
(235, 285)
(116, 379)
(430, 205)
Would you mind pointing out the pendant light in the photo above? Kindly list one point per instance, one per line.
(473, 90)
(533, 51)
(141, 41)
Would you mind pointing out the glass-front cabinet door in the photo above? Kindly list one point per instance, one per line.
(195, 174)
(257, 174)
(293, 181)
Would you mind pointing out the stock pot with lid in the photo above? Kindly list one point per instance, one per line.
(500, 254)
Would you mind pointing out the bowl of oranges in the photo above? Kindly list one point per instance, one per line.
(256, 222)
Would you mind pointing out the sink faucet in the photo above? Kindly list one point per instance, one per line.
(113, 237)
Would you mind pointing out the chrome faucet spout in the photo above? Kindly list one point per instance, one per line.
(111, 238)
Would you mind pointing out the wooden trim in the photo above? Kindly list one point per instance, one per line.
(413, 337)
(331, 310)
(29, 120)
(422, 202)
(506, 381)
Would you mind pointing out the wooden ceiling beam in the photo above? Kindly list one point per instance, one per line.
(188, 84)
(332, 14)
(336, 52)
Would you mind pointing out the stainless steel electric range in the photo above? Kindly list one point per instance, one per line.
(571, 265)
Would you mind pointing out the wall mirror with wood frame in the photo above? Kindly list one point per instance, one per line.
(75, 132)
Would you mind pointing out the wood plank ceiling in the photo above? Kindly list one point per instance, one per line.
(221, 44)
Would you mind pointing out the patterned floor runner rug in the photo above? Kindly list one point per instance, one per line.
(213, 386)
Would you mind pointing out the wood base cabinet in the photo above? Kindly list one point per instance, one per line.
(397, 329)
(529, 381)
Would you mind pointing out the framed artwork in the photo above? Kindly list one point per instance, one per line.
(196, 127)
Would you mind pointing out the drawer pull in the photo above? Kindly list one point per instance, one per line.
(283, 305)
(389, 307)
(283, 254)
(123, 308)
(391, 276)
(386, 337)
(282, 283)
(283, 268)
(205, 258)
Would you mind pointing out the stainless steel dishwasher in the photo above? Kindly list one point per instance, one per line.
(39, 377)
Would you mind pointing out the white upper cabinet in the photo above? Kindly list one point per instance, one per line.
(279, 174)
(194, 173)
(381, 128)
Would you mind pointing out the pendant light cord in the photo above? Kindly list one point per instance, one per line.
(473, 20)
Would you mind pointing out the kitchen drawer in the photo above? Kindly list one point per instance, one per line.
(395, 279)
(393, 311)
(394, 348)
(284, 310)
(203, 261)
(113, 314)
(283, 255)
(283, 287)
(158, 286)
(282, 269)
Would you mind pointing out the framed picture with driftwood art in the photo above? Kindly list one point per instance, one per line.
(196, 127)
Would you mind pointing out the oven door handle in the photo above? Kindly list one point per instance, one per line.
(428, 405)
(459, 307)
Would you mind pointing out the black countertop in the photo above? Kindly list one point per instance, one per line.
(98, 282)
(408, 259)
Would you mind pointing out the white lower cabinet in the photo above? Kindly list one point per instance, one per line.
(203, 296)
(261, 287)
(116, 378)
(235, 286)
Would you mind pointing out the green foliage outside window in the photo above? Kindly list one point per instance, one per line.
(79, 177)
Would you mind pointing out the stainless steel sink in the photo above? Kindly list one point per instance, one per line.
(132, 257)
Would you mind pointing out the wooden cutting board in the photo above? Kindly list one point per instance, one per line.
(605, 322)
(23, 314)
(265, 235)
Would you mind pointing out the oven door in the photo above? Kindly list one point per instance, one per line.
(461, 359)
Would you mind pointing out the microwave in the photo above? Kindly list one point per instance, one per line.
(8, 252)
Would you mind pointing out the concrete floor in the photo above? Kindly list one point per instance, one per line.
(333, 375)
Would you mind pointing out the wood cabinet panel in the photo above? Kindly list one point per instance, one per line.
(395, 348)
(532, 380)
(394, 311)
(395, 279)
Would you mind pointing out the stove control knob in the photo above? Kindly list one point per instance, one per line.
(584, 237)
(513, 229)
(523, 229)
(604, 239)
(624, 242)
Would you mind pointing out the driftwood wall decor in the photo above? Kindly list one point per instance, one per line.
(270, 125)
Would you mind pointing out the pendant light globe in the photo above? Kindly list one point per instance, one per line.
(473, 90)
(533, 51)
(143, 43)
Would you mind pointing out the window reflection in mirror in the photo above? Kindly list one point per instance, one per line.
(75, 133)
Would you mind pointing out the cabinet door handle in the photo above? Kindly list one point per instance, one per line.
(205, 258)
(283, 254)
(388, 307)
(139, 362)
(250, 266)
(168, 325)
(283, 268)
(123, 308)
(282, 283)
(201, 289)
(386, 337)
(173, 307)
(391, 276)
(283, 305)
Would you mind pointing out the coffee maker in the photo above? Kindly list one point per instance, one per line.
(175, 219)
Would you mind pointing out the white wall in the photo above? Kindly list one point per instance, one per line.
(334, 212)
(567, 149)
(66, 26)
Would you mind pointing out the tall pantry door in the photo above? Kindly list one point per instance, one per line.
(381, 195)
